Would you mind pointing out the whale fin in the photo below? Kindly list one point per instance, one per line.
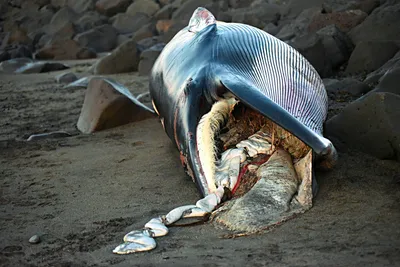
(200, 19)
(251, 96)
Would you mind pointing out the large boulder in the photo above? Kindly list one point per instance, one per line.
(338, 46)
(90, 20)
(125, 23)
(370, 124)
(374, 76)
(101, 39)
(67, 49)
(81, 6)
(347, 85)
(112, 7)
(123, 59)
(381, 25)
(370, 55)
(148, 57)
(60, 18)
(345, 20)
(390, 82)
(312, 48)
(148, 7)
(108, 104)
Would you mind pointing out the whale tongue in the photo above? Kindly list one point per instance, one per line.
(200, 19)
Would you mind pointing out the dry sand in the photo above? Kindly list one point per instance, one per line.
(81, 194)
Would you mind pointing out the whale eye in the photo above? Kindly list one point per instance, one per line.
(200, 19)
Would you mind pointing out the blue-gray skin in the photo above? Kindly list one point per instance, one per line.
(208, 59)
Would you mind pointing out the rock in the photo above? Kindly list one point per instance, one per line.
(59, 3)
(146, 43)
(173, 29)
(35, 239)
(11, 65)
(164, 13)
(338, 46)
(90, 20)
(39, 67)
(148, 30)
(101, 39)
(258, 15)
(347, 85)
(125, 23)
(67, 77)
(81, 6)
(369, 124)
(15, 51)
(294, 8)
(381, 25)
(122, 38)
(112, 7)
(186, 9)
(390, 82)
(299, 26)
(123, 59)
(148, 57)
(312, 48)
(147, 7)
(68, 49)
(239, 3)
(64, 33)
(108, 104)
(162, 26)
(345, 20)
(271, 29)
(19, 36)
(370, 55)
(51, 135)
(60, 18)
(373, 77)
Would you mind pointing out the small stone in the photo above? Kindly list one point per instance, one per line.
(35, 239)
(67, 77)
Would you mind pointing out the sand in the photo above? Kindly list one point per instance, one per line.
(81, 194)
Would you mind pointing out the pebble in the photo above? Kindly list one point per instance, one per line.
(35, 239)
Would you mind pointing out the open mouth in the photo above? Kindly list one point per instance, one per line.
(266, 168)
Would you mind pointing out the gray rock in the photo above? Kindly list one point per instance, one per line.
(312, 48)
(164, 13)
(101, 39)
(125, 23)
(271, 29)
(347, 85)
(390, 82)
(381, 25)
(298, 26)
(67, 77)
(146, 43)
(81, 6)
(370, 55)
(123, 59)
(122, 38)
(60, 18)
(89, 20)
(15, 51)
(374, 76)
(369, 124)
(112, 7)
(148, 57)
(51, 135)
(68, 49)
(35, 239)
(147, 31)
(258, 15)
(338, 46)
(147, 7)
